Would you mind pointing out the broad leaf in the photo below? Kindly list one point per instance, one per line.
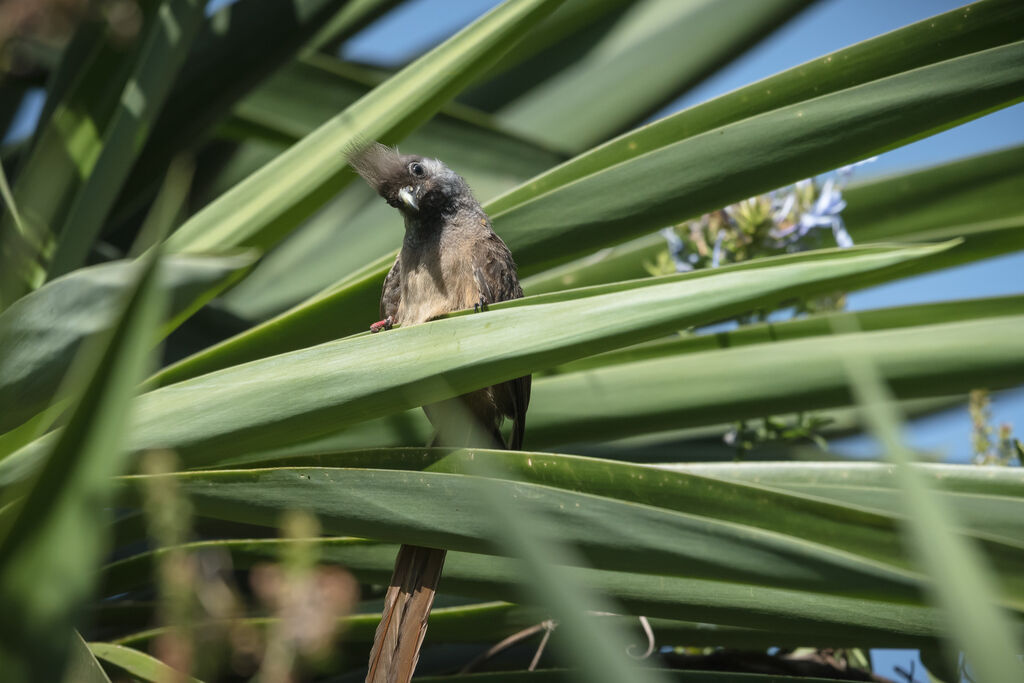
(41, 333)
(138, 664)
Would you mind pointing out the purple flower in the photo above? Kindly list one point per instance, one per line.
(825, 214)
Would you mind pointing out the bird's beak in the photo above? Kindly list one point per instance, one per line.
(408, 198)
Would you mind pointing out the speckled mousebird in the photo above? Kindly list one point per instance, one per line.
(450, 260)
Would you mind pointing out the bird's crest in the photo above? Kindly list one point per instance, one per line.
(375, 162)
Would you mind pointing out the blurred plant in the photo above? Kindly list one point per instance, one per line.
(307, 600)
(169, 519)
(991, 446)
(745, 435)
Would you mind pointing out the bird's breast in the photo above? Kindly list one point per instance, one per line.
(435, 286)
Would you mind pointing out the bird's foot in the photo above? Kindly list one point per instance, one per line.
(480, 305)
(385, 324)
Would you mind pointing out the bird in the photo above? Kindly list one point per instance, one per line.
(451, 259)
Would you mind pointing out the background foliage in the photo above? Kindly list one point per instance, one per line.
(206, 463)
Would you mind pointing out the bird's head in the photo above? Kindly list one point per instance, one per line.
(419, 187)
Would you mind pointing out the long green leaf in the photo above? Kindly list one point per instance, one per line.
(41, 333)
(626, 518)
(712, 387)
(992, 512)
(273, 201)
(598, 95)
(52, 531)
(138, 664)
(812, 326)
(980, 188)
(336, 313)
(667, 408)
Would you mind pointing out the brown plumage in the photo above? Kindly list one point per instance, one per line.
(450, 260)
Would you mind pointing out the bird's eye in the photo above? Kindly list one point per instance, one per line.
(416, 169)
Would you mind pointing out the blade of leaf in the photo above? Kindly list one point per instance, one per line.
(82, 665)
(138, 664)
(355, 379)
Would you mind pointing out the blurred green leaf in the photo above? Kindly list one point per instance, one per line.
(273, 201)
(963, 584)
(41, 333)
(52, 532)
(84, 95)
(598, 94)
(553, 45)
(596, 648)
(165, 44)
(138, 664)
(236, 49)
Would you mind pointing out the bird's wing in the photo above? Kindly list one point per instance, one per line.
(495, 273)
(392, 292)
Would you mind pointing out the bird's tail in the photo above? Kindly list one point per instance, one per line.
(396, 646)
